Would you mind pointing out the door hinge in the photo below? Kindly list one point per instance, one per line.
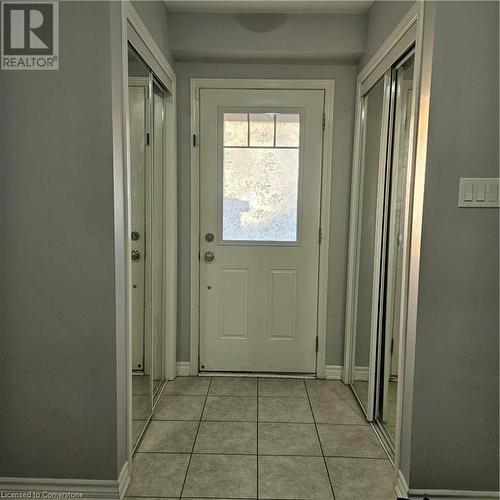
(199, 255)
(324, 121)
(147, 138)
(317, 344)
(194, 140)
(320, 236)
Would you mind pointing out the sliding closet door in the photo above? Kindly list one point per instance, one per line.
(140, 160)
(158, 236)
(375, 109)
(147, 146)
(393, 311)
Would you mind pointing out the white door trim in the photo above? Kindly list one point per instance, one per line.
(217, 83)
(131, 27)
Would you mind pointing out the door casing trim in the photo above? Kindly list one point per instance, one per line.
(328, 86)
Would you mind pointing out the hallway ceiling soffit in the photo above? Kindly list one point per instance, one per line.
(271, 6)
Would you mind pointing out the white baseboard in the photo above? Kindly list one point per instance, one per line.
(401, 485)
(417, 494)
(183, 368)
(361, 373)
(89, 489)
(333, 372)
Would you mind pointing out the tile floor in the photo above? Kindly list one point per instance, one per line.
(267, 438)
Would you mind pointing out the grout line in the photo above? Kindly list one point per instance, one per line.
(261, 422)
(180, 395)
(320, 444)
(347, 425)
(195, 438)
(278, 455)
(302, 455)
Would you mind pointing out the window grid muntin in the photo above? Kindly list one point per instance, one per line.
(298, 139)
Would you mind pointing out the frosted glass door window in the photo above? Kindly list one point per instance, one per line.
(260, 177)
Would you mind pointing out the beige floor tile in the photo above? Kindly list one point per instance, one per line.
(285, 410)
(328, 389)
(282, 387)
(288, 439)
(188, 386)
(231, 408)
(137, 426)
(169, 436)
(337, 411)
(350, 441)
(141, 406)
(152, 498)
(219, 476)
(355, 478)
(157, 475)
(227, 437)
(140, 384)
(233, 386)
(294, 478)
(179, 408)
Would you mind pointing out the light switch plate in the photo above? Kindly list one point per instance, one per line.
(478, 192)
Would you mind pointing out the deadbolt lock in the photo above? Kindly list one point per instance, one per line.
(135, 235)
(209, 256)
(210, 237)
(135, 254)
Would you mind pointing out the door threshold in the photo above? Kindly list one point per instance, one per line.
(257, 374)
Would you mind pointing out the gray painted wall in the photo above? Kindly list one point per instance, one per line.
(344, 76)
(456, 394)
(57, 307)
(309, 39)
(59, 331)
(383, 17)
(155, 16)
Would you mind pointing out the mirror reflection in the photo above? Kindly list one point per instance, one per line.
(373, 104)
(390, 336)
(146, 115)
(141, 362)
(159, 152)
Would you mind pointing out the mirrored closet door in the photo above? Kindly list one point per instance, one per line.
(392, 311)
(146, 120)
(380, 213)
(371, 186)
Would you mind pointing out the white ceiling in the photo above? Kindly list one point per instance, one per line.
(271, 6)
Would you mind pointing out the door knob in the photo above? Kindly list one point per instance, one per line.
(135, 254)
(209, 256)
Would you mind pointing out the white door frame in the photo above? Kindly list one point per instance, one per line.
(134, 30)
(328, 86)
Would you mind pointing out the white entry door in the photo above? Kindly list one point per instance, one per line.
(260, 186)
